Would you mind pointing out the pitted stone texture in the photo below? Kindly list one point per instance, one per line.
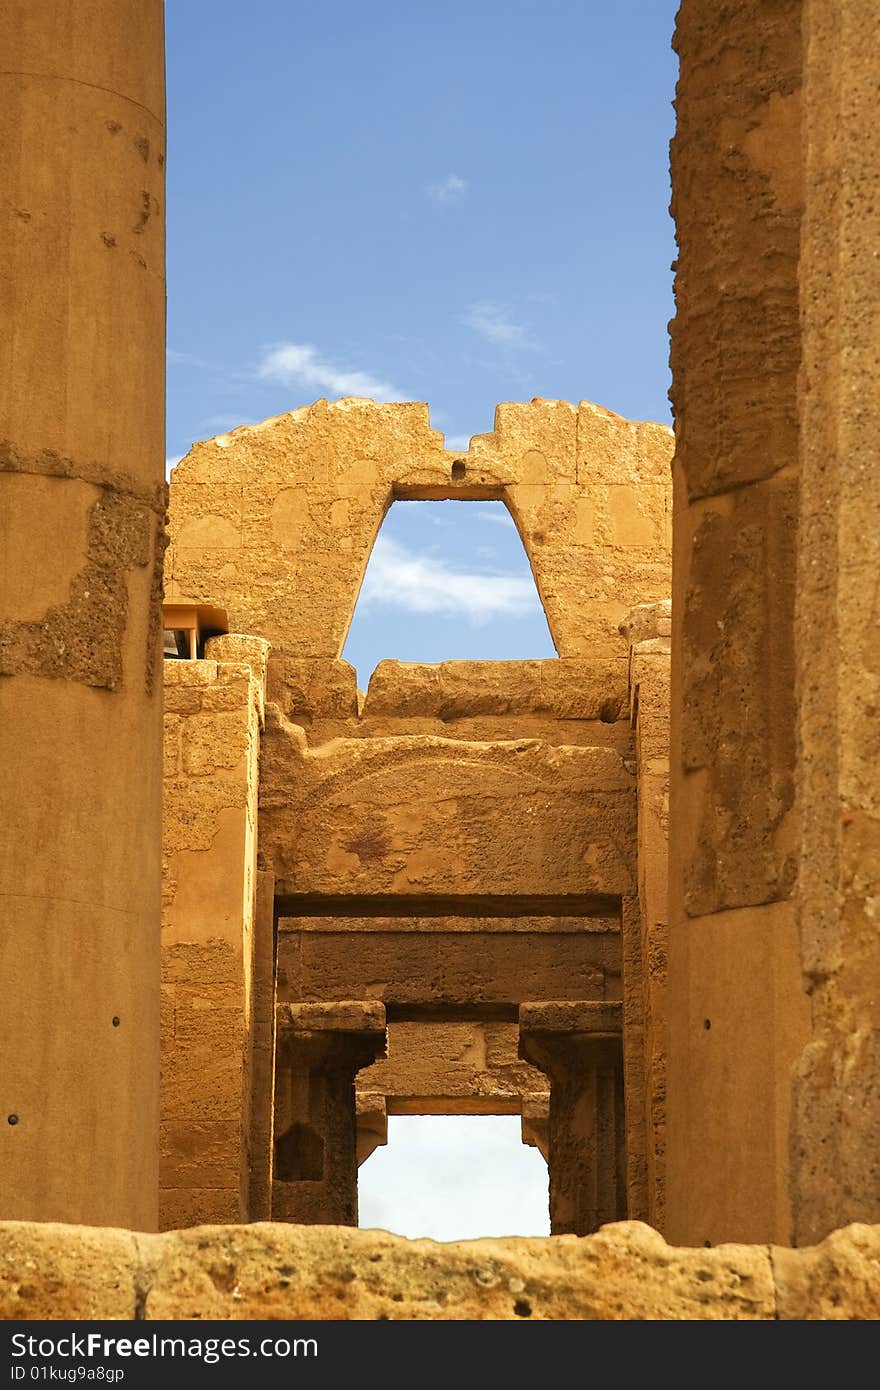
(839, 1279)
(738, 700)
(275, 522)
(239, 1273)
(736, 201)
(51, 1271)
(417, 815)
(625, 1271)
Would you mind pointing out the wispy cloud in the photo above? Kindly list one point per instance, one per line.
(397, 578)
(172, 462)
(447, 190)
(501, 517)
(494, 322)
(460, 442)
(301, 365)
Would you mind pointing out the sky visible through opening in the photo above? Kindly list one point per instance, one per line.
(462, 204)
(447, 581)
(455, 1177)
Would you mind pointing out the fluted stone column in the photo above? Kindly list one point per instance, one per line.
(82, 300)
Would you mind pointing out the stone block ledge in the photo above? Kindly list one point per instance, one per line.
(275, 1271)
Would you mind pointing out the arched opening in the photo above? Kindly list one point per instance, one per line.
(455, 1177)
(447, 581)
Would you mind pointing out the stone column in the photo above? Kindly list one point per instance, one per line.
(578, 1046)
(82, 501)
(738, 1013)
(836, 1121)
(320, 1049)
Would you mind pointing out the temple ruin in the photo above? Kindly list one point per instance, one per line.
(425, 898)
(629, 894)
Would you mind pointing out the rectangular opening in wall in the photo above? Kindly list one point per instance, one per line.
(455, 1177)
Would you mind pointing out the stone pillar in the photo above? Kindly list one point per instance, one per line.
(320, 1049)
(578, 1046)
(738, 1014)
(647, 628)
(836, 1123)
(82, 501)
(214, 967)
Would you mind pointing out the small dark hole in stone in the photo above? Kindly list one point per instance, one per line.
(707, 1243)
(707, 1024)
(609, 712)
(522, 1308)
(397, 1298)
(374, 1259)
(12, 1119)
(115, 1020)
(458, 468)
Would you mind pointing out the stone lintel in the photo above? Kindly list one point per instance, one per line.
(342, 1016)
(599, 1019)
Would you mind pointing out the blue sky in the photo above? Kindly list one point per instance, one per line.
(462, 203)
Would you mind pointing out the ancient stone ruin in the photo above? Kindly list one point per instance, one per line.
(426, 899)
(629, 894)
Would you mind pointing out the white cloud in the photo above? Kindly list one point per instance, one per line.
(172, 462)
(501, 517)
(447, 190)
(459, 442)
(397, 578)
(493, 322)
(455, 1177)
(299, 364)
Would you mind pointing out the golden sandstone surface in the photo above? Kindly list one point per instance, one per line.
(626, 1271)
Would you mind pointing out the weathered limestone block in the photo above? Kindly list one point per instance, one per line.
(430, 967)
(624, 1272)
(208, 935)
(455, 690)
(292, 506)
(839, 1279)
(51, 1271)
(452, 1069)
(421, 815)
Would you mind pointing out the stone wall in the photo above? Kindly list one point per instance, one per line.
(625, 1272)
(275, 522)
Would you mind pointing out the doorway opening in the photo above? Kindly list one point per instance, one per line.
(455, 1177)
(447, 581)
